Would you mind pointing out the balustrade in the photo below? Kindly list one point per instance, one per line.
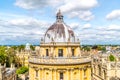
(58, 60)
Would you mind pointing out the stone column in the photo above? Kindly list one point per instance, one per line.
(79, 74)
(89, 73)
(42, 75)
(78, 52)
(42, 51)
(39, 74)
(67, 74)
(71, 74)
(69, 52)
(55, 70)
(51, 51)
(54, 52)
(51, 78)
(82, 74)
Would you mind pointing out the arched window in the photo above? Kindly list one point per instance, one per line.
(36, 73)
(85, 70)
(61, 76)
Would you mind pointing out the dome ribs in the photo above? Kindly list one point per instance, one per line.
(59, 31)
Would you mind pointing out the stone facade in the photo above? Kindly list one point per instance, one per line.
(103, 69)
(23, 57)
(7, 73)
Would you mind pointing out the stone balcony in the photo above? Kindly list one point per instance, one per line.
(60, 60)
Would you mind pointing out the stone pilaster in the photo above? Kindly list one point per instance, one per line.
(51, 73)
(79, 74)
(67, 74)
(71, 74)
(82, 71)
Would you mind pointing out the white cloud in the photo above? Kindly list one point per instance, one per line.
(75, 8)
(95, 35)
(28, 23)
(36, 4)
(30, 30)
(76, 5)
(79, 8)
(83, 15)
(86, 26)
(74, 25)
(115, 14)
(66, 5)
(113, 27)
(22, 30)
(86, 15)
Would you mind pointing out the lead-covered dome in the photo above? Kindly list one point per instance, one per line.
(59, 31)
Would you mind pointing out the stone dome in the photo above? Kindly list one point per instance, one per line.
(59, 31)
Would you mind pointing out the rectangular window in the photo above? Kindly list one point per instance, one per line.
(73, 52)
(61, 76)
(47, 53)
(60, 52)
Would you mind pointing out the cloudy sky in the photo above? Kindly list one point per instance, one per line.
(93, 21)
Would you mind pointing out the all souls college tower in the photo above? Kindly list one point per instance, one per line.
(59, 56)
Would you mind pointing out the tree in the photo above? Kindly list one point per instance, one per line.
(11, 55)
(14, 47)
(2, 58)
(99, 47)
(3, 54)
(32, 47)
(21, 47)
(86, 48)
(7, 55)
(111, 58)
(22, 70)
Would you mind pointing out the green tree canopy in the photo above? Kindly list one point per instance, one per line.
(32, 47)
(21, 47)
(22, 70)
(7, 55)
(112, 58)
(86, 48)
(99, 47)
(3, 54)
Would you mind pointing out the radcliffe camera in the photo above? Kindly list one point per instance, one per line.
(59, 40)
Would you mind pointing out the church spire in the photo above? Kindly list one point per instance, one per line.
(59, 16)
